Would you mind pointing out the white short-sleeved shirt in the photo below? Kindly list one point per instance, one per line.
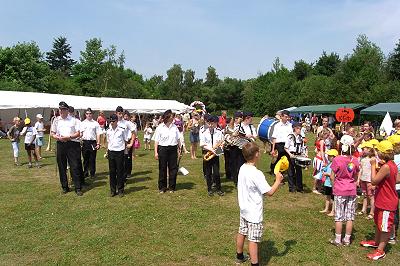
(207, 141)
(39, 126)
(167, 136)
(281, 131)
(249, 130)
(90, 129)
(251, 187)
(147, 132)
(116, 138)
(30, 133)
(127, 126)
(65, 127)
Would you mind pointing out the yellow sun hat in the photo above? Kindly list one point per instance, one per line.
(27, 121)
(366, 144)
(374, 142)
(282, 165)
(394, 139)
(332, 152)
(385, 146)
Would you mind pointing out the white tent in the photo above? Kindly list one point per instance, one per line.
(28, 104)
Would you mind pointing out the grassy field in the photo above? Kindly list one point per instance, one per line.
(40, 226)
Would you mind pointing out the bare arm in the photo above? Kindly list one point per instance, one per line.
(376, 178)
(276, 185)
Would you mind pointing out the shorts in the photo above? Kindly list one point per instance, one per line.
(345, 208)
(253, 231)
(366, 188)
(147, 140)
(29, 147)
(39, 141)
(328, 191)
(194, 137)
(384, 220)
(102, 131)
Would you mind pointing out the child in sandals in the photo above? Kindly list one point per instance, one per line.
(364, 178)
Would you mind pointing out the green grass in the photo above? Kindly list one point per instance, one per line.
(40, 226)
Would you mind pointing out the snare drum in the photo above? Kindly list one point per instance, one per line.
(302, 161)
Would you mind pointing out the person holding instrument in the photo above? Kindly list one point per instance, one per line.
(210, 140)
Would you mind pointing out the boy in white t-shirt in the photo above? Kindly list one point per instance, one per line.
(252, 186)
(30, 135)
(39, 126)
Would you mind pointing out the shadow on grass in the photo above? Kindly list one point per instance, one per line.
(135, 189)
(93, 185)
(228, 188)
(137, 180)
(184, 186)
(268, 250)
(142, 173)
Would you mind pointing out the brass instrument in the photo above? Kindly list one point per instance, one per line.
(237, 138)
(211, 154)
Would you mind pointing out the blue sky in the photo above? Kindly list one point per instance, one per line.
(239, 38)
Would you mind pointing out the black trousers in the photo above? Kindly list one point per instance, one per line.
(116, 168)
(280, 147)
(211, 172)
(237, 160)
(295, 176)
(128, 163)
(89, 157)
(227, 158)
(69, 151)
(167, 159)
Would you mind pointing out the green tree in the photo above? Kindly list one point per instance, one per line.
(394, 63)
(59, 58)
(23, 66)
(327, 65)
(302, 70)
(211, 77)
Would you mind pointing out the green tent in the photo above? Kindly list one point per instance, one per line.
(326, 108)
(382, 109)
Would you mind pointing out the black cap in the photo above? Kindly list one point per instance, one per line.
(63, 105)
(296, 124)
(71, 109)
(119, 109)
(238, 114)
(214, 119)
(207, 117)
(247, 114)
(113, 117)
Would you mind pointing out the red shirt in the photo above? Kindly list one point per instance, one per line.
(222, 122)
(385, 196)
(102, 121)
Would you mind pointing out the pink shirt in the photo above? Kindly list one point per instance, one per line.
(346, 170)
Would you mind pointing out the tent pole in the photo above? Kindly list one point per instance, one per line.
(140, 121)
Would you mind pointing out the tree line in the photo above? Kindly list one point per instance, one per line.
(364, 76)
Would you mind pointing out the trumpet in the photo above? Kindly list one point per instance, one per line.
(211, 154)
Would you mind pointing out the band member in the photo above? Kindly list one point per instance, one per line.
(72, 114)
(279, 136)
(126, 126)
(90, 134)
(247, 126)
(116, 139)
(229, 129)
(237, 158)
(66, 132)
(210, 139)
(294, 146)
(166, 149)
(129, 152)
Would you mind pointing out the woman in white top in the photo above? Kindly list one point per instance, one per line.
(166, 149)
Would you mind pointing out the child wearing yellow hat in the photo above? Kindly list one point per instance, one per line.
(364, 177)
(30, 135)
(386, 199)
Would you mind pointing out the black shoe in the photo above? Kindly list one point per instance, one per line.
(220, 193)
(121, 194)
(79, 192)
(112, 194)
(210, 193)
(86, 174)
(65, 190)
(93, 176)
(129, 175)
(292, 191)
